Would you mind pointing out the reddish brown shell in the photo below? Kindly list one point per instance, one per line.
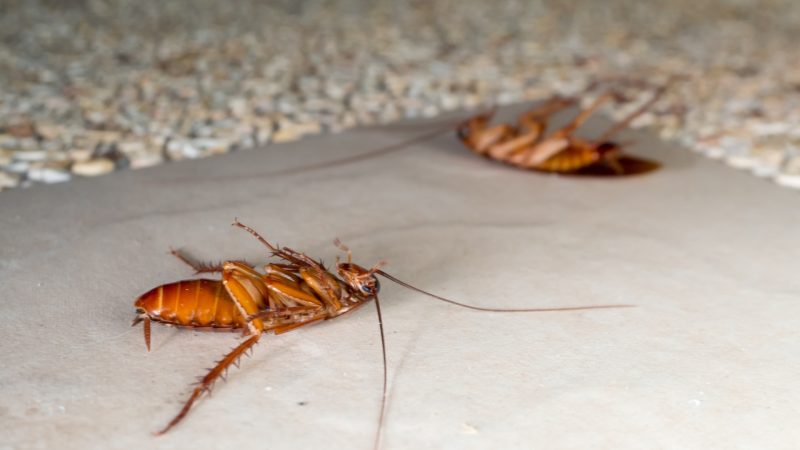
(201, 302)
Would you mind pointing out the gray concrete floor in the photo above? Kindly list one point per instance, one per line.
(707, 359)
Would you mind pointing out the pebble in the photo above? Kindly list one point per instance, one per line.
(80, 154)
(147, 160)
(18, 166)
(5, 156)
(788, 180)
(287, 131)
(30, 155)
(94, 167)
(8, 180)
(49, 176)
(131, 147)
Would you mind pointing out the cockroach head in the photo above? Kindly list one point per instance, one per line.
(360, 279)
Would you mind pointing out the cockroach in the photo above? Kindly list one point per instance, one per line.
(291, 293)
(526, 146)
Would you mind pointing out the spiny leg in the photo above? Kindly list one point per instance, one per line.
(502, 151)
(485, 139)
(345, 249)
(533, 156)
(536, 118)
(583, 115)
(288, 254)
(622, 124)
(199, 267)
(559, 141)
(144, 318)
(255, 233)
(235, 278)
(208, 380)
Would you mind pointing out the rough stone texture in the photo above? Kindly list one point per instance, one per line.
(143, 82)
(708, 358)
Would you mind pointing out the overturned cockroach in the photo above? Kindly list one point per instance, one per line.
(526, 145)
(290, 294)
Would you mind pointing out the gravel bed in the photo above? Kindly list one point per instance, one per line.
(89, 87)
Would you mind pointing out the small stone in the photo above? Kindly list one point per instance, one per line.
(769, 154)
(94, 167)
(49, 131)
(8, 180)
(131, 147)
(287, 132)
(335, 91)
(788, 180)
(714, 152)
(18, 167)
(740, 161)
(211, 146)
(48, 175)
(430, 111)
(146, 160)
(263, 134)
(28, 144)
(190, 151)
(22, 129)
(80, 154)
(238, 107)
(96, 119)
(30, 155)
(5, 156)
(309, 128)
(449, 102)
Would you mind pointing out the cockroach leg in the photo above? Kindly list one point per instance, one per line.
(504, 150)
(273, 249)
(208, 380)
(290, 327)
(584, 114)
(237, 280)
(147, 333)
(146, 320)
(484, 140)
(247, 291)
(536, 119)
(345, 249)
(198, 267)
(622, 124)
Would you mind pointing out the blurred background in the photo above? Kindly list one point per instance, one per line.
(90, 87)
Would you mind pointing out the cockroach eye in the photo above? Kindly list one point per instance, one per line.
(372, 288)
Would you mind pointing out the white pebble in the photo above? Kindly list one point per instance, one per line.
(31, 155)
(130, 147)
(787, 180)
(146, 160)
(93, 167)
(740, 161)
(49, 176)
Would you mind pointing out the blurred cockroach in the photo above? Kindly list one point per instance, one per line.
(526, 146)
(290, 294)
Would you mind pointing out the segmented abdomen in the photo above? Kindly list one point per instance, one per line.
(569, 160)
(202, 302)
